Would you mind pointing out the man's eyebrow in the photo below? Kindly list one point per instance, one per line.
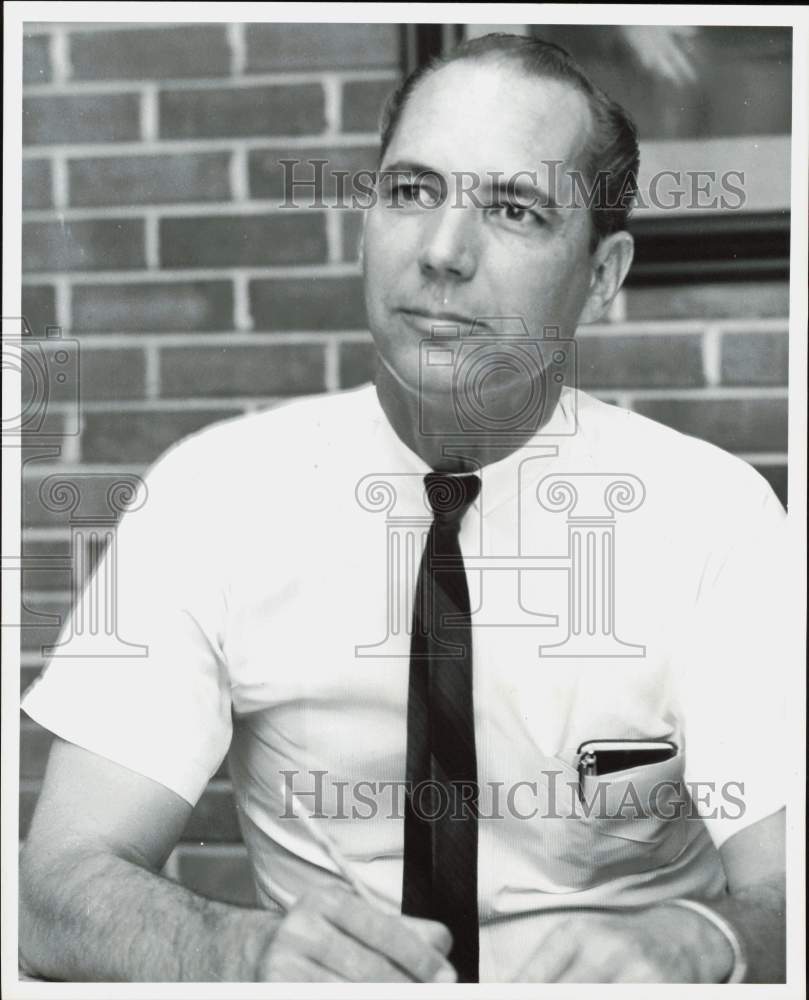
(408, 168)
(519, 186)
(496, 184)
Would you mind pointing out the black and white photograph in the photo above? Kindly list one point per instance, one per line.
(404, 499)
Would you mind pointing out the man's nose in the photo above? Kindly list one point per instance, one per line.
(449, 247)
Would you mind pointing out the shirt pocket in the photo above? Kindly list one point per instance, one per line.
(621, 824)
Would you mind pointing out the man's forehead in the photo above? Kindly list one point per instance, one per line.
(486, 115)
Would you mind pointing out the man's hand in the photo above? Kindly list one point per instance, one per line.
(655, 945)
(333, 936)
(93, 906)
(671, 944)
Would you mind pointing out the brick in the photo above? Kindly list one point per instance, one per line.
(708, 301)
(39, 423)
(363, 101)
(214, 818)
(308, 304)
(49, 575)
(45, 609)
(46, 576)
(755, 358)
(352, 232)
(46, 566)
(35, 745)
(42, 609)
(93, 245)
(50, 376)
(278, 47)
(260, 370)
(53, 574)
(218, 873)
(81, 118)
(91, 487)
(654, 361)
(357, 364)
(306, 182)
(141, 436)
(153, 306)
(39, 307)
(242, 111)
(113, 374)
(41, 619)
(36, 59)
(777, 476)
(36, 184)
(145, 180)
(50, 546)
(243, 240)
(150, 53)
(738, 425)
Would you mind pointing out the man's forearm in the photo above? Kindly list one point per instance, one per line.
(663, 943)
(757, 914)
(101, 918)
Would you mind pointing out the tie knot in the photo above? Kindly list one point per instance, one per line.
(450, 496)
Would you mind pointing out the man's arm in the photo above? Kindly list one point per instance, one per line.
(755, 864)
(671, 944)
(93, 906)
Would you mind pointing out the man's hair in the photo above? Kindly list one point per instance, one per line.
(611, 159)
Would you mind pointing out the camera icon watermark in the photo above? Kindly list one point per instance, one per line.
(504, 382)
(48, 370)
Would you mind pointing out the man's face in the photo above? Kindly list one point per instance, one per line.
(433, 266)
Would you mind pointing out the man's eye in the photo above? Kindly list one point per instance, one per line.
(519, 215)
(414, 193)
(408, 192)
(515, 213)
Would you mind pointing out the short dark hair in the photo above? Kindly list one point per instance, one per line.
(612, 160)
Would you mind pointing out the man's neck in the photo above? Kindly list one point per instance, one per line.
(452, 452)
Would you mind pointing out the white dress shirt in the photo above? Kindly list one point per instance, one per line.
(270, 573)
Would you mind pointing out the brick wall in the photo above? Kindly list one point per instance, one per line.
(152, 234)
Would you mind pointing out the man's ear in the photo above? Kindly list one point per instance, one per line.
(609, 267)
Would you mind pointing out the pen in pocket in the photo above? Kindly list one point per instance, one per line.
(599, 758)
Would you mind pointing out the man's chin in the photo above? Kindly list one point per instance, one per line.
(416, 382)
(441, 384)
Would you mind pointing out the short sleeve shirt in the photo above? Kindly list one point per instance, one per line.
(626, 583)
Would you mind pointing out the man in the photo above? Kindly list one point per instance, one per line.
(256, 574)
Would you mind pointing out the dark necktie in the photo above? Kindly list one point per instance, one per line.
(441, 834)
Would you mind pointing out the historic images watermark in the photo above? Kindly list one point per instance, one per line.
(547, 188)
(550, 794)
(86, 505)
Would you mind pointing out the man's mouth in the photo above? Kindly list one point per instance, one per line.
(426, 319)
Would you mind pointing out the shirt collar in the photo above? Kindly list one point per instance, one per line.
(500, 481)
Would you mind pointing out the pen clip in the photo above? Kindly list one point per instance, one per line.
(586, 768)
